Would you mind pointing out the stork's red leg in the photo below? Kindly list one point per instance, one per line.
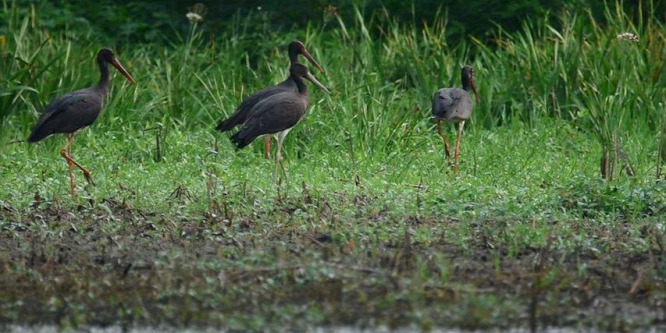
(457, 152)
(278, 155)
(267, 146)
(70, 165)
(64, 153)
(86, 172)
(441, 134)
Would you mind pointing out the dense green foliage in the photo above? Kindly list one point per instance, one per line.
(160, 20)
(579, 72)
(368, 186)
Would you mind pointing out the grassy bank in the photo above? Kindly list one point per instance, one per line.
(372, 227)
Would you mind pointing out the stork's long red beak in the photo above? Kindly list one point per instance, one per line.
(476, 93)
(312, 79)
(122, 70)
(307, 55)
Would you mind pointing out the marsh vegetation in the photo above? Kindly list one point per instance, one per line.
(555, 217)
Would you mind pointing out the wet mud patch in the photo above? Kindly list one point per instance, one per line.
(306, 263)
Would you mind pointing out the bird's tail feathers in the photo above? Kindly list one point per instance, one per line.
(227, 124)
(240, 139)
(37, 135)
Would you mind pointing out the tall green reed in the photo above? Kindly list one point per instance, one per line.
(619, 91)
(35, 65)
(382, 73)
(581, 72)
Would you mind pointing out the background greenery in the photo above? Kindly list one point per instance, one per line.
(158, 21)
(563, 63)
(367, 177)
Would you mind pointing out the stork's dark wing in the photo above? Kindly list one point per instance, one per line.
(272, 115)
(451, 104)
(67, 114)
(243, 111)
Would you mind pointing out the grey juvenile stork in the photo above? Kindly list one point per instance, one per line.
(76, 110)
(455, 105)
(243, 111)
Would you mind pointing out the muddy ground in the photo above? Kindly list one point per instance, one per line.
(107, 263)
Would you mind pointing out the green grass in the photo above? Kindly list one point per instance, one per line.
(372, 227)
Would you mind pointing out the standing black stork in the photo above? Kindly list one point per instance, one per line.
(278, 113)
(76, 110)
(243, 111)
(455, 105)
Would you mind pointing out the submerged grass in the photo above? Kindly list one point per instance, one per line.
(372, 227)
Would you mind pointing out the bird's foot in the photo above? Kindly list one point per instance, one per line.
(88, 176)
(89, 179)
(454, 164)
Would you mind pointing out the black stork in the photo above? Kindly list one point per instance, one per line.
(76, 110)
(455, 105)
(279, 113)
(243, 111)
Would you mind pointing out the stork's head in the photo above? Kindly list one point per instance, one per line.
(302, 71)
(296, 48)
(468, 81)
(106, 55)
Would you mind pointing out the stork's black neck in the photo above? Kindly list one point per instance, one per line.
(302, 87)
(104, 73)
(466, 82)
(293, 55)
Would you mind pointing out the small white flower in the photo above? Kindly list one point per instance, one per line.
(259, 8)
(194, 17)
(628, 36)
